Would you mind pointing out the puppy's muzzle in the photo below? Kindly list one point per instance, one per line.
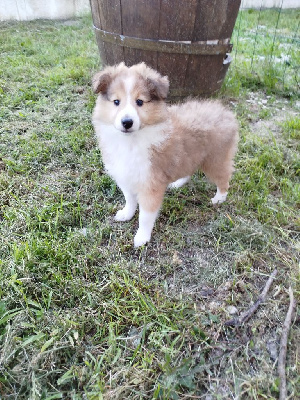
(127, 123)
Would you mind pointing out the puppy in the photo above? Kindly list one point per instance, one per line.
(147, 146)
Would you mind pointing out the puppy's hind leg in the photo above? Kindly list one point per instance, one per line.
(219, 174)
(130, 207)
(219, 197)
(180, 182)
(222, 182)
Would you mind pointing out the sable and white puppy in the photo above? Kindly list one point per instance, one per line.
(148, 146)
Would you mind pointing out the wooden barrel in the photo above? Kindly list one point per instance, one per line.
(188, 40)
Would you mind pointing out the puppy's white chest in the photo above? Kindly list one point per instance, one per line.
(126, 158)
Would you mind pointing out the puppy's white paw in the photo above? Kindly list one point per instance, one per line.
(219, 198)
(124, 215)
(141, 238)
(180, 182)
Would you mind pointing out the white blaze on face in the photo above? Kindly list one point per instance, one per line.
(128, 110)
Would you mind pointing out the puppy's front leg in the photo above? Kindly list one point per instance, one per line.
(149, 204)
(146, 223)
(130, 206)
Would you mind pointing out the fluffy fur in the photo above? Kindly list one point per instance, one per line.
(148, 146)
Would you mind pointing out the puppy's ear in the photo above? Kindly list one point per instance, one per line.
(158, 87)
(101, 81)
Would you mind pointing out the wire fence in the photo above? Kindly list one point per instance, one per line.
(267, 47)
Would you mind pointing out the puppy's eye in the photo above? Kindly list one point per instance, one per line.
(139, 102)
(116, 102)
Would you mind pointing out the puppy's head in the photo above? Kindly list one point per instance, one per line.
(130, 98)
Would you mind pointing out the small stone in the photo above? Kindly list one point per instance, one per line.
(176, 260)
(227, 285)
(232, 310)
(272, 349)
(83, 231)
(214, 305)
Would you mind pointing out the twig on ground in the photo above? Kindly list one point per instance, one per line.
(248, 313)
(283, 346)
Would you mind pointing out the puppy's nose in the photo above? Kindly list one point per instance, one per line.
(127, 123)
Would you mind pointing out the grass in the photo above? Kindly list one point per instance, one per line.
(266, 51)
(85, 316)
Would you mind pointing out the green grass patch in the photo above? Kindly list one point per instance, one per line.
(291, 128)
(266, 52)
